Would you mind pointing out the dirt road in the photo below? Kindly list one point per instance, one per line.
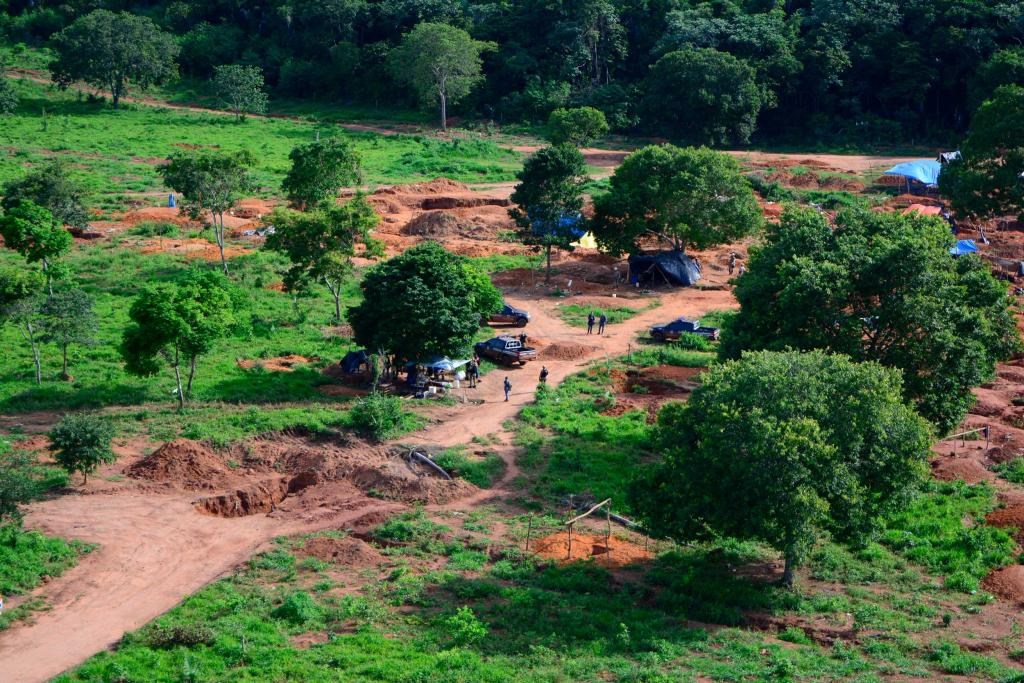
(155, 549)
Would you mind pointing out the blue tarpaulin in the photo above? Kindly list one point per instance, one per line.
(572, 224)
(170, 201)
(964, 247)
(442, 363)
(924, 171)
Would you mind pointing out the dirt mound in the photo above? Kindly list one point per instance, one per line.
(277, 364)
(184, 463)
(370, 520)
(262, 497)
(435, 186)
(617, 553)
(1007, 583)
(435, 224)
(968, 470)
(394, 480)
(1012, 516)
(566, 351)
(348, 551)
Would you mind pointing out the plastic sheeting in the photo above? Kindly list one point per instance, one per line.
(964, 247)
(353, 360)
(924, 171)
(664, 267)
(572, 224)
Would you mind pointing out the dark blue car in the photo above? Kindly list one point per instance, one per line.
(681, 326)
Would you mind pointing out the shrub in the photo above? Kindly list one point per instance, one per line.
(298, 608)
(381, 417)
(464, 628)
(187, 635)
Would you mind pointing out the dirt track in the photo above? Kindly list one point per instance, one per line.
(155, 549)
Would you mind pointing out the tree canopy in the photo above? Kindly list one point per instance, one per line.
(988, 178)
(67, 317)
(549, 199)
(241, 88)
(51, 186)
(778, 447)
(579, 126)
(177, 323)
(112, 50)
(209, 182)
(20, 301)
(877, 287)
(81, 443)
(32, 231)
(425, 302)
(8, 98)
(440, 62)
(319, 169)
(682, 197)
(320, 243)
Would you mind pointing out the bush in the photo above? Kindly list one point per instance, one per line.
(187, 635)
(298, 608)
(381, 417)
(464, 628)
(1012, 470)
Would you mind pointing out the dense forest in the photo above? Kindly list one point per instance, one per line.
(839, 71)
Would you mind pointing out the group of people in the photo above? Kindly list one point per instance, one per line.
(601, 322)
(733, 256)
(507, 385)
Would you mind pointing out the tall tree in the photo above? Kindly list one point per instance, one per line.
(680, 196)
(579, 126)
(320, 244)
(425, 302)
(319, 169)
(19, 305)
(241, 88)
(988, 179)
(112, 50)
(19, 482)
(33, 232)
(81, 443)
(877, 287)
(778, 447)
(210, 182)
(67, 318)
(702, 97)
(51, 186)
(440, 62)
(549, 199)
(178, 323)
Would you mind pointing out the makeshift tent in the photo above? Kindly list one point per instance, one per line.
(571, 224)
(664, 268)
(924, 171)
(443, 364)
(170, 201)
(964, 247)
(354, 360)
(946, 157)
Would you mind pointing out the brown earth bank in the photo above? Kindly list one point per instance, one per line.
(611, 551)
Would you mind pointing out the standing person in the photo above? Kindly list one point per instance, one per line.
(743, 269)
(508, 387)
(522, 339)
(472, 372)
(601, 322)
(732, 262)
(544, 375)
(590, 323)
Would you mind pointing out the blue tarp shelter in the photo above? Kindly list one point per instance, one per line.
(353, 360)
(964, 247)
(571, 224)
(924, 171)
(170, 201)
(441, 363)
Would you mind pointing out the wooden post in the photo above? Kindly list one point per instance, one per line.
(608, 532)
(569, 556)
(529, 530)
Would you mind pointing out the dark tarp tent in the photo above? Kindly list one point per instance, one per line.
(664, 268)
(354, 360)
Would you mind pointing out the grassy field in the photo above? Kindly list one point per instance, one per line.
(576, 314)
(115, 153)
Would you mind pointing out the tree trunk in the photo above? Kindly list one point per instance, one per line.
(787, 573)
(30, 335)
(218, 233)
(547, 273)
(85, 477)
(177, 380)
(191, 374)
(336, 293)
(444, 112)
(49, 278)
(64, 367)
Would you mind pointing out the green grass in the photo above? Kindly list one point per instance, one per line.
(26, 557)
(576, 315)
(1012, 470)
(91, 137)
(479, 470)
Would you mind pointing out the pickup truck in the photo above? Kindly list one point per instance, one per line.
(681, 326)
(511, 315)
(505, 350)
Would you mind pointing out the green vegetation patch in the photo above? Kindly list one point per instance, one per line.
(576, 314)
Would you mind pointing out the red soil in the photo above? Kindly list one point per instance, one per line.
(617, 553)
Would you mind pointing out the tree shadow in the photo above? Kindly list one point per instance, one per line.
(257, 385)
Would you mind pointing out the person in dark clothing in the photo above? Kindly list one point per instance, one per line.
(508, 388)
(522, 339)
(472, 373)
(732, 262)
(544, 375)
(601, 322)
(590, 323)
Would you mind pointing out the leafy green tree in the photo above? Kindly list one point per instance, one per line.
(81, 443)
(320, 243)
(177, 323)
(319, 169)
(33, 232)
(18, 483)
(549, 199)
(685, 197)
(20, 301)
(209, 182)
(8, 98)
(111, 50)
(778, 447)
(877, 287)
(425, 302)
(67, 318)
(49, 185)
(440, 62)
(1004, 67)
(988, 179)
(580, 126)
(702, 96)
(241, 88)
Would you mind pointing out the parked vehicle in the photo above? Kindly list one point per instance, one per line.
(681, 326)
(506, 350)
(510, 315)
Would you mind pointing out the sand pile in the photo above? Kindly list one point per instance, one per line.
(969, 470)
(1007, 583)
(348, 551)
(250, 500)
(566, 351)
(276, 364)
(184, 463)
(617, 553)
(436, 224)
(394, 480)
